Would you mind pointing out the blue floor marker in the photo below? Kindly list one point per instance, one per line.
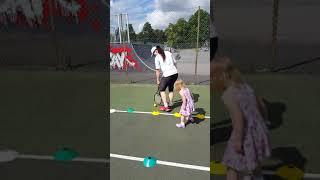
(65, 154)
(149, 162)
(130, 110)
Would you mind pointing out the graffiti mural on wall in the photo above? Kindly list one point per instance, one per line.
(121, 58)
(37, 12)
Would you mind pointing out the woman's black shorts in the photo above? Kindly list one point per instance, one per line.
(168, 82)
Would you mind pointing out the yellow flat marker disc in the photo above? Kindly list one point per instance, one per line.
(200, 116)
(217, 168)
(290, 173)
(155, 113)
(176, 114)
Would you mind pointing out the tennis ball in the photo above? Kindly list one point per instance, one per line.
(154, 105)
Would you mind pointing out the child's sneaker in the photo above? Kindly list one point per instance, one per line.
(180, 125)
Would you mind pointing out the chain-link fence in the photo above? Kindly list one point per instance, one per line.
(183, 31)
(269, 35)
(53, 33)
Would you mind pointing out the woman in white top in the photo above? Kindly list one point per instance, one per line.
(165, 62)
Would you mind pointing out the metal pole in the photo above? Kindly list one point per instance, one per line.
(53, 33)
(119, 28)
(114, 29)
(197, 46)
(274, 31)
(128, 31)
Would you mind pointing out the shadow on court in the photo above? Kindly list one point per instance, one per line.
(221, 131)
(287, 156)
(195, 97)
(178, 103)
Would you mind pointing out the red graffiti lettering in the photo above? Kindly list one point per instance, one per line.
(37, 12)
(122, 58)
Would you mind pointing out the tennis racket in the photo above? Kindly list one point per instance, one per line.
(157, 97)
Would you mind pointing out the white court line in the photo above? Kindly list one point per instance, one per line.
(121, 111)
(93, 160)
(187, 166)
(132, 158)
(46, 157)
(312, 176)
(306, 175)
(166, 163)
(202, 168)
(35, 157)
(144, 112)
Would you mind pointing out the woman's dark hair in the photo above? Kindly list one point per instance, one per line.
(161, 52)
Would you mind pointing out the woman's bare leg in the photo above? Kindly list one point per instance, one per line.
(171, 98)
(164, 98)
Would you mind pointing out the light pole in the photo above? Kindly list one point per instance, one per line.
(274, 32)
(197, 46)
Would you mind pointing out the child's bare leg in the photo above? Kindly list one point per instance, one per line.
(232, 174)
(182, 122)
(182, 119)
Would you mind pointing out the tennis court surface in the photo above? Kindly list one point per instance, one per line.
(43, 111)
(138, 135)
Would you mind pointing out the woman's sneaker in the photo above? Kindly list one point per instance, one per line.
(167, 109)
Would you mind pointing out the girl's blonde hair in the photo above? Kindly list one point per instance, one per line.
(179, 84)
(222, 71)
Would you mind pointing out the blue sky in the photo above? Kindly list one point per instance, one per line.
(158, 12)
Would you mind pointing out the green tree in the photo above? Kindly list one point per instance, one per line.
(160, 36)
(170, 33)
(177, 34)
(147, 33)
(204, 26)
(184, 33)
(132, 34)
